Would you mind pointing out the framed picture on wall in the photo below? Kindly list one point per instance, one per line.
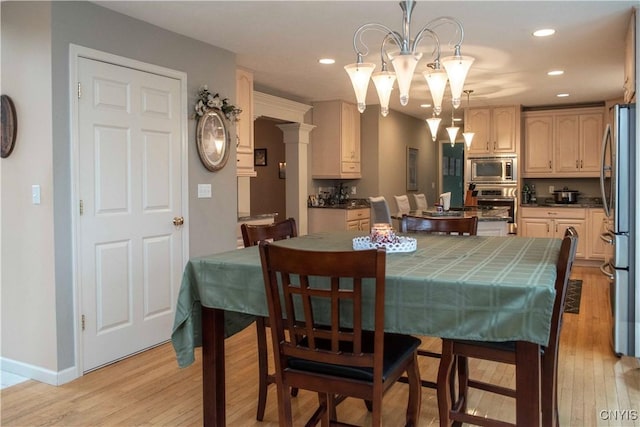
(260, 157)
(412, 169)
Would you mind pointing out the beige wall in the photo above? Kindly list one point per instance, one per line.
(384, 143)
(38, 291)
(28, 286)
(268, 191)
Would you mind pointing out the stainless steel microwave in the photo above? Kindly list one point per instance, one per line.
(499, 170)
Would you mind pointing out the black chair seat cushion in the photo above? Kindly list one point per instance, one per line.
(396, 348)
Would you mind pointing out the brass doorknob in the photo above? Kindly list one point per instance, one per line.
(178, 220)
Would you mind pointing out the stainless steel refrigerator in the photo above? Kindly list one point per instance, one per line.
(618, 181)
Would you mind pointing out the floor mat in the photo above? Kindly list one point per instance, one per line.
(574, 293)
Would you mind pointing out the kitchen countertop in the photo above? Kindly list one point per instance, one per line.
(244, 216)
(354, 204)
(495, 214)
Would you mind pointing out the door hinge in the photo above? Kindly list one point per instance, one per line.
(79, 90)
(81, 207)
(83, 322)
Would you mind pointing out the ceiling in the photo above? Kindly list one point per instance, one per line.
(281, 42)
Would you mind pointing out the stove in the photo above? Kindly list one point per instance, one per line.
(490, 196)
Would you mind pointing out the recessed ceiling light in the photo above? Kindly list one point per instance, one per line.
(544, 32)
(327, 61)
(425, 105)
(555, 73)
(562, 95)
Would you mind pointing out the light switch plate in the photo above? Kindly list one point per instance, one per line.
(35, 194)
(204, 191)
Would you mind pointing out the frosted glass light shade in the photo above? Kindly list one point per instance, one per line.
(404, 65)
(453, 132)
(468, 137)
(360, 73)
(384, 85)
(437, 81)
(457, 68)
(434, 123)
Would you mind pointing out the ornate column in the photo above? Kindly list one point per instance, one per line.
(296, 139)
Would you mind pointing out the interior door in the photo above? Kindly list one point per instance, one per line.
(453, 172)
(131, 254)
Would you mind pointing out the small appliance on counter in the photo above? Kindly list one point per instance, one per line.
(565, 196)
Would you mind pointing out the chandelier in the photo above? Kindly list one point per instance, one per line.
(406, 60)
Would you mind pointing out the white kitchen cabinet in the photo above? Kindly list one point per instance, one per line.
(598, 224)
(496, 130)
(335, 141)
(563, 143)
(244, 126)
(333, 219)
(577, 148)
(493, 228)
(552, 222)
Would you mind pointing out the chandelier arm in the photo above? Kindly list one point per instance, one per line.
(435, 23)
(357, 36)
(420, 36)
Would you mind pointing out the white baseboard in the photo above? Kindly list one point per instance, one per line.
(38, 373)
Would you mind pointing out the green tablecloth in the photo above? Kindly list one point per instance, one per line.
(466, 287)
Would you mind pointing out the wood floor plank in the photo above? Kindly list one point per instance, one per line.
(149, 389)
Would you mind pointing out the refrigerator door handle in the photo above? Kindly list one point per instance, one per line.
(605, 269)
(606, 142)
(607, 237)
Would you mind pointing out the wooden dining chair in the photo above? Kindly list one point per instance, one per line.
(251, 236)
(421, 202)
(453, 409)
(326, 348)
(444, 225)
(380, 213)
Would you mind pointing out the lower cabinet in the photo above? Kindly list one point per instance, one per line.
(329, 219)
(598, 224)
(552, 222)
(493, 228)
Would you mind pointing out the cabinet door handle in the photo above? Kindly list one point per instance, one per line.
(577, 167)
(494, 145)
(549, 164)
(581, 165)
(547, 228)
(487, 145)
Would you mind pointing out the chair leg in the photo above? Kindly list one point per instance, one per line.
(263, 367)
(445, 399)
(415, 393)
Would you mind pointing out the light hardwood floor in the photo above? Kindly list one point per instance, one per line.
(149, 388)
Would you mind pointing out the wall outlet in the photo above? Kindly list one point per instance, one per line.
(353, 190)
(551, 189)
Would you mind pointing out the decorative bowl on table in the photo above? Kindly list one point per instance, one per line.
(383, 236)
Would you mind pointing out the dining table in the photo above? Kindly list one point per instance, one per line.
(484, 288)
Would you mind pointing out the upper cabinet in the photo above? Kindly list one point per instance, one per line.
(563, 143)
(495, 129)
(336, 140)
(244, 126)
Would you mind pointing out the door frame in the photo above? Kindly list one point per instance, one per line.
(75, 53)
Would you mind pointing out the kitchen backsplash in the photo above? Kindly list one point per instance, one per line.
(587, 187)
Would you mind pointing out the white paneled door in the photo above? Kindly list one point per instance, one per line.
(130, 189)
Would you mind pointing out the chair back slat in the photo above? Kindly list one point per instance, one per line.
(323, 292)
(448, 225)
(253, 234)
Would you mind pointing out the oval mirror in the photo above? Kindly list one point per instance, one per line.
(212, 139)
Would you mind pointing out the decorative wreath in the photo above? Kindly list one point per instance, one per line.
(206, 101)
